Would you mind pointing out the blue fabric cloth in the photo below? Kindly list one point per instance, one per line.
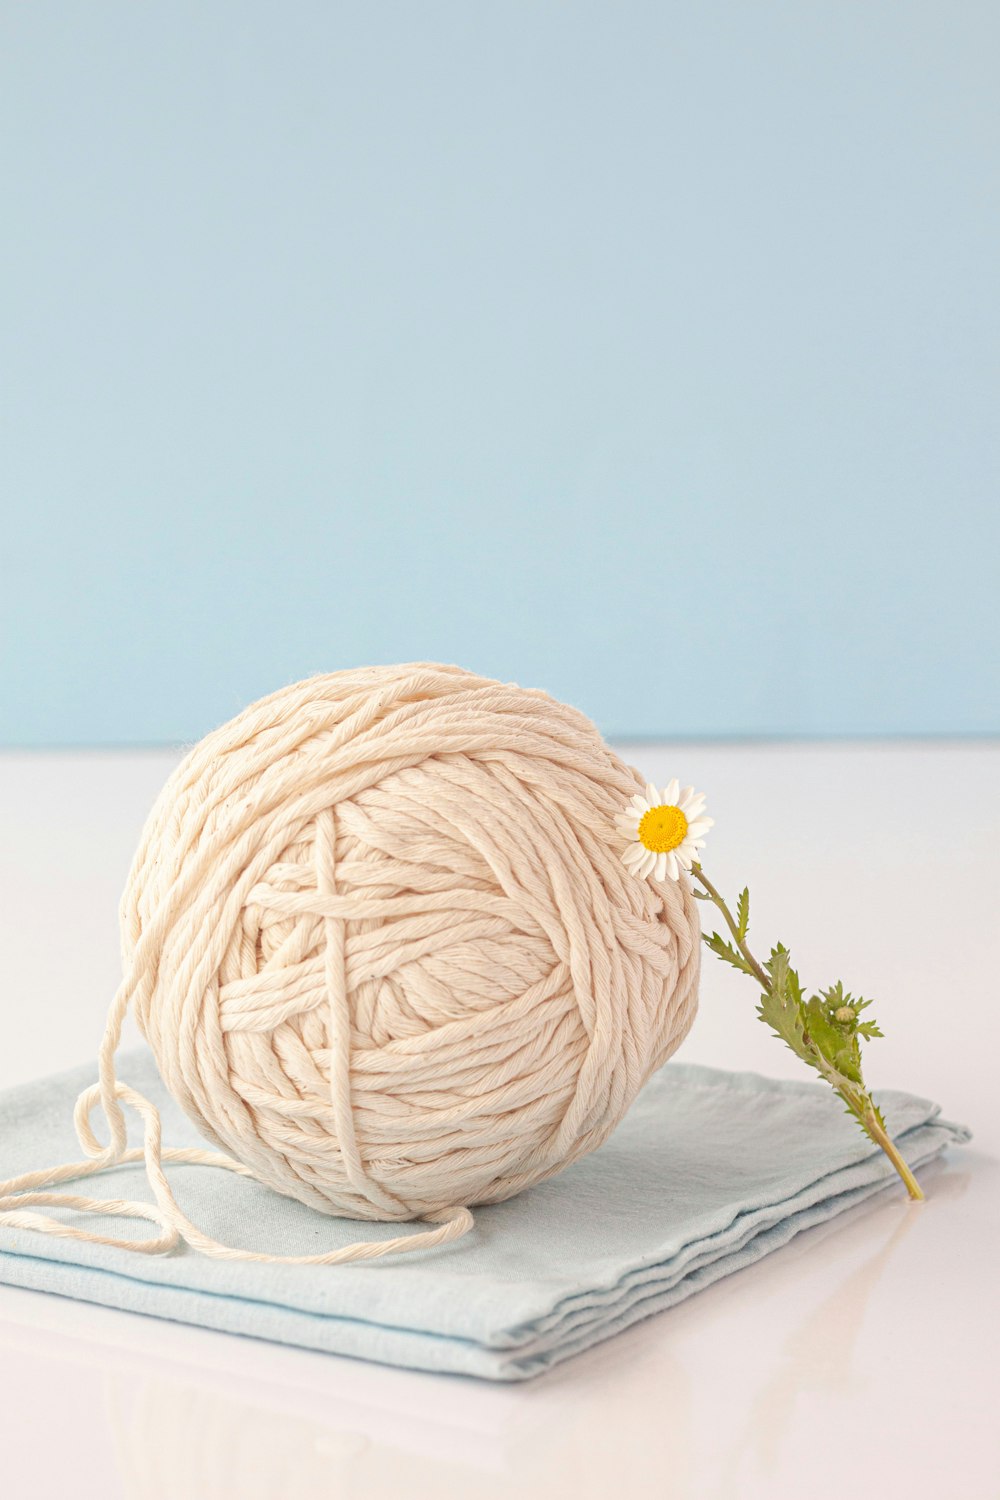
(709, 1172)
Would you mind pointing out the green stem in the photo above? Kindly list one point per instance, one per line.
(861, 1108)
(740, 942)
(884, 1139)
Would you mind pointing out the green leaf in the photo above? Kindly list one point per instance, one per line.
(727, 953)
(835, 995)
(808, 1027)
(781, 1009)
(778, 966)
(743, 912)
(836, 1043)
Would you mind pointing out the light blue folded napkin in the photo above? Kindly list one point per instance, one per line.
(708, 1172)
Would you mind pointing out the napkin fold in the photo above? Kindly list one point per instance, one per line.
(709, 1172)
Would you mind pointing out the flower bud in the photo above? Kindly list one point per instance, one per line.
(844, 1014)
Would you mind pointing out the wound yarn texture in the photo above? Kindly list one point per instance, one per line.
(380, 940)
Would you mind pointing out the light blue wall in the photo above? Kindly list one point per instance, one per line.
(644, 352)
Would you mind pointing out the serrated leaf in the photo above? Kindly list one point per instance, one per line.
(778, 967)
(866, 1111)
(727, 952)
(783, 1014)
(743, 912)
(835, 996)
(838, 1046)
(869, 1029)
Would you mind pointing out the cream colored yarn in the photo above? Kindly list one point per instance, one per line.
(379, 938)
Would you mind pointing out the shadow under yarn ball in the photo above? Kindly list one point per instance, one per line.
(380, 939)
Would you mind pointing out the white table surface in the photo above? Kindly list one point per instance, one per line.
(859, 1359)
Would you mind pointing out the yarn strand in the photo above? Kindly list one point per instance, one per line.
(19, 1194)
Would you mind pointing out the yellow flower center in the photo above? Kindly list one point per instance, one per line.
(662, 829)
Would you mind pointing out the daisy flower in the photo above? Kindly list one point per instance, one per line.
(665, 833)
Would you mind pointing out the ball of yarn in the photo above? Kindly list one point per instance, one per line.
(380, 939)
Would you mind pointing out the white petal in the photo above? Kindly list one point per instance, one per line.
(684, 796)
(670, 793)
(661, 866)
(692, 806)
(633, 855)
(700, 826)
(640, 804)
(672, 866)
(648, 864)
(652, 795)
